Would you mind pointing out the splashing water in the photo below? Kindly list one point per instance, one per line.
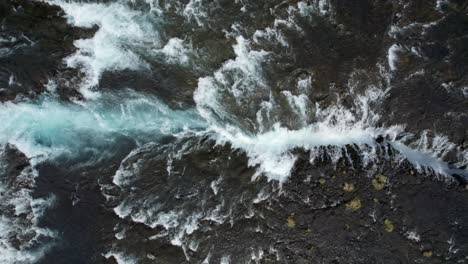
(124, 34)
(240, 104)
(50, 128)
(237, 102)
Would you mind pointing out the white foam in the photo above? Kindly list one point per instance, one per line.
(122, 34)
(126, 39)
(440, 4)
(178, 223)
(19, 219)
(11, 80)
(271, 151)
(428, 154)
(393, 56)
(324, 6)
(239, 78)
(413, 236)
(195, 11)
(305, 85)
(257, 255)
(302, 9)
(175, 52)
(215, 185)
(465, 91)
(306, 9)
(51, 86)
(299, 104)
(9, 44)
(271, 35)
(207, 259)
(47, 128)
(264, 114)
(270, 148)
(423, 162)
(121, 258)
(225, 260)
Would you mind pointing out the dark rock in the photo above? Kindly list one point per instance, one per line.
(39, 39)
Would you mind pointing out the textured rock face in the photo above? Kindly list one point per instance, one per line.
(429, 85)
(14, 162)
(315, 216)
(325, 213)
(35, 39)
(187, 198)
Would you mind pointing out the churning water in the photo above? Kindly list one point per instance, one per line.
(247, 97)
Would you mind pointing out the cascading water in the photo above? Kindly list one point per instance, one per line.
(207, 132)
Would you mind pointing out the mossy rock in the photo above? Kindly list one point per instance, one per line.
(354, 204)
(348, 187)
(379, 182)
(388, 226)
(291, 222)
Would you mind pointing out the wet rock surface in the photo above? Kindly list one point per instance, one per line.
(34, 40)
(324, 213)
(191, 200)
(429, 85)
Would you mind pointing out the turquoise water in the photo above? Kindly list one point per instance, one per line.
(49, 127)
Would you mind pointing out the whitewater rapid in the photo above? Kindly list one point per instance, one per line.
(48, 128)
(235, 105)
